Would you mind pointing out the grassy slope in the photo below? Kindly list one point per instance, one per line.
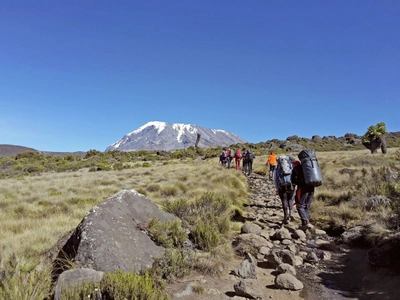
(35, 211)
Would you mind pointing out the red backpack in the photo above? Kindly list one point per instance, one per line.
(238, 154)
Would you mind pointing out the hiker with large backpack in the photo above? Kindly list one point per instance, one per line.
(284, 186)
(306, 176)
(249, 157)
(222, 158)
(238, 157)
(229, 157)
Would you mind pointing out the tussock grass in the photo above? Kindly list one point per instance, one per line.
(37, 210)
(376, 233)
(22, 279)
(51, 204)
(353, 183)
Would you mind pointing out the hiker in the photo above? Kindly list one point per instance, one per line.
(222, 158)
(231, 156)
(272, 164)
(238, 157)
(228, 158)
(249, 158)
(304, 195)
(244, 161)
(284, 186)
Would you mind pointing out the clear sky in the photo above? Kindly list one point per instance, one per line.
(79, 75)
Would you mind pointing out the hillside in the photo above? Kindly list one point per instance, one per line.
(12, 150)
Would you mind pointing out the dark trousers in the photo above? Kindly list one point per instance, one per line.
(287, 202)
(245, 166)
(249, 167)
(304, 198)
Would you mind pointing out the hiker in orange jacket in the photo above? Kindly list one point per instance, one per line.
(272, 164)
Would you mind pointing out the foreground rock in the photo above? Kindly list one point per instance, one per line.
(72, 278)
(109, 237)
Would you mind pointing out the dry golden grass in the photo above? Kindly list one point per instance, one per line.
(347, 180)
(36, 211)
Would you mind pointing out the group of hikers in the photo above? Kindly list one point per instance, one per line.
(246, 156)
(295, 180)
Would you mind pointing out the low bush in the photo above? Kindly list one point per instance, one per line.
(131, 286)
(167, 234)
(175, 263)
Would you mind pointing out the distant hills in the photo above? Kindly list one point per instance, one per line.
(166, 136)
(12, 150)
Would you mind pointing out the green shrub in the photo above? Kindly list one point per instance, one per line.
(206, 235)
(167, 234)
(131, 286)
(180, 207)
(174, 263)
(118, 166)
(87, 290)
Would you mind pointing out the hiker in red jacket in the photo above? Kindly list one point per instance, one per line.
(238, 157)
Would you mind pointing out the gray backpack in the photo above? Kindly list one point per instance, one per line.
(283, 172)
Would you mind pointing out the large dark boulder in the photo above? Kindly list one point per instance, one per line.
(110, 237)
(353, 139)
(292, 138)
(289, 146)
(316, 139)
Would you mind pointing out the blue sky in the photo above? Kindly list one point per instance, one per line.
(79, 75)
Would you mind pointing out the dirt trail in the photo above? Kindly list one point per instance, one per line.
(346, 275)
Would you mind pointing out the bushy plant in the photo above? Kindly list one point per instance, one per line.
(86, 290)
(209, 215)
(180, 207)
(167, 234)
(175, 263)
(206, 235)
(131, 286)
(374, 130)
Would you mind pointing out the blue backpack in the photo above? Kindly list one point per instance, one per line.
(283, 172)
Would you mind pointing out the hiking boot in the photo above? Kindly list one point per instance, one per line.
(285, 221)
(306, 227)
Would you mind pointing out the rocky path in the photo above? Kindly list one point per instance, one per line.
(283, 262)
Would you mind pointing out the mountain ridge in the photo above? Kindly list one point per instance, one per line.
(156, 135)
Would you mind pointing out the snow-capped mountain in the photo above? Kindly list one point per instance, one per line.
(165, 136)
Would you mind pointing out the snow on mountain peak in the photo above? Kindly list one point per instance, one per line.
(181, 130)
(160, 126)
(166, 136)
